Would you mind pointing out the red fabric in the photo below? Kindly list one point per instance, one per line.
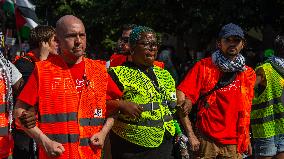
(113, 92)
(117, 59)
(220, 120)
(20, 20)
(57, 95)
(77, 72)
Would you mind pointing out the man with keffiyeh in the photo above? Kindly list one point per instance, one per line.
(267, 116)
(223, 117)
(10, 82)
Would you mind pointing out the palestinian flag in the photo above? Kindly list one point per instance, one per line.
(8, 6)
(26, 18)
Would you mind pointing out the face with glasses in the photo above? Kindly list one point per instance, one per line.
(124, 47)
(231, 46)
(145, 50)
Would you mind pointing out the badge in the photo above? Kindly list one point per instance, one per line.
(98, 113)
(173, 95)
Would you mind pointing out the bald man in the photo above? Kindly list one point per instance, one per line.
(70, 91)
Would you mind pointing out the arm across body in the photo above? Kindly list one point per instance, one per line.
(52, 148)
(98, 139)
(184, 107)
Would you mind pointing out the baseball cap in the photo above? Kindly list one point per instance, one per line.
(231, 30)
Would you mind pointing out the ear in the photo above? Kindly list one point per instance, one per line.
(218, 44)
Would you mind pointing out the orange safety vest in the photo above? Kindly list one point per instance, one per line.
(63, 115)
(159, 64)
(6, 140)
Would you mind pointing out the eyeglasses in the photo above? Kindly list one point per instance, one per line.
(149, 45)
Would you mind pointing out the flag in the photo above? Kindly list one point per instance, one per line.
(7, 6)
(26, 18)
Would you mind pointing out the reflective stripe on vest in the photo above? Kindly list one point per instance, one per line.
(149, 123)
(266, 103)
(3, 130)
(66, 118)
(267, 114)
(269, 118)
(2, 108)
(157, 103)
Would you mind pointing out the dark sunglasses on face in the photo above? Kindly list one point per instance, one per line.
(149, 45)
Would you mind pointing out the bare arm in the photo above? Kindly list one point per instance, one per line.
(182, 102)
(52, 148)
(99, 138)
(128, 108)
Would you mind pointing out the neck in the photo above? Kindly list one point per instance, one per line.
(71, 61)
(36, 52)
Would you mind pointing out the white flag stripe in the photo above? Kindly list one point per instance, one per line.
(25, 3)
(30, 23)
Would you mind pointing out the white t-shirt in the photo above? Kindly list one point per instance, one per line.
(16, 75)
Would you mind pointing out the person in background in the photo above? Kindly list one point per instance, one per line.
(267, 119)
(223, 117)
(123, 49)
(42, 42)
(10, 82)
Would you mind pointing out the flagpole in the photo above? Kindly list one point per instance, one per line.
(17, 29)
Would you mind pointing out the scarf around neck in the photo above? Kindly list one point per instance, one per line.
(6, 71)
(277, 63)
(227, 65)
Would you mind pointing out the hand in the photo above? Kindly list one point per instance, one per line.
(52, 148)
(28, 119)
(131, 109)
(249, 150)
(194, 143)
(44, 50)
(98, 139)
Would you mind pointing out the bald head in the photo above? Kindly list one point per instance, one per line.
(66, 20)
(71, 37)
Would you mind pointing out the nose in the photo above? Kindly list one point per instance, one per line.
(78, 39)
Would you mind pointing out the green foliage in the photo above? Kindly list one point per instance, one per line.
(201, 18)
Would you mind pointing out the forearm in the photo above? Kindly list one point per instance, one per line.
(108, 125)
(186, 123)
(34, 132)
(180, 98)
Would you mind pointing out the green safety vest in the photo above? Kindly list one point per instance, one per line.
(149, 129)
(267, 115)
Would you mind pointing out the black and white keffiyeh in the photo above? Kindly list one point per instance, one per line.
(227, 65)
(277, 63)
(6, 71)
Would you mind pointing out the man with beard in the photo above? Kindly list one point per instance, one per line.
(267, 119)
(222, 126)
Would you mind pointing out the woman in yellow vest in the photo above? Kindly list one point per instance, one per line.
(267, 115)
(146, 97)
